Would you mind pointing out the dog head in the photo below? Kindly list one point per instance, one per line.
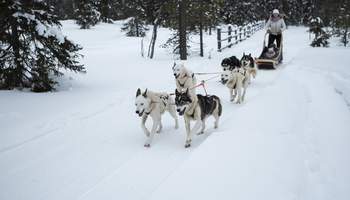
(247, 60)
(225, 77)
(141, 102)
(226, 63)
(182, 101)
(178, 69)
(230, 63)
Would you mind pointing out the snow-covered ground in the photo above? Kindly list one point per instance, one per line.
(289, 140)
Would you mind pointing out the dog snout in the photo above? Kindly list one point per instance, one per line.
(174, 74)
(178, 110)
(137, 112)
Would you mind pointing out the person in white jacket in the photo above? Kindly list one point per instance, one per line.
(275, 26)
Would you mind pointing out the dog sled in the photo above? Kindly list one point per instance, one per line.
(270, 57)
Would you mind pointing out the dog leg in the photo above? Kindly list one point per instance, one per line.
(160, 127)
(216, 123)
(153, 131)
(244, 91)
(239, 92)
(234, 93)
(188, 132)
(172, 112)
(254, 73)
(203, 128)
(197, 125)
(232, 98)
(143, 126)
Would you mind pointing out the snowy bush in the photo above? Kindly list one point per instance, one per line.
(321, 36)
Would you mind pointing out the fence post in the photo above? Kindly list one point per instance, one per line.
(240, 34)
(229, 35)
(244, 33)
(219, 38)
(236, 36)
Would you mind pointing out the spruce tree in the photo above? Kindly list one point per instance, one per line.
(87, 14)
(32, 47)
(341, 22)
(134, 27)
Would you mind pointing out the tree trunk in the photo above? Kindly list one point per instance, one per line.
(182, 30)
(153, 40)
(16, 75)
(345, 36)
(201, 36)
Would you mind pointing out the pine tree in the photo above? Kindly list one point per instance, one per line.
(32, 47)
(87, 14)
(134, 27)
(341, 22)
(105, 8)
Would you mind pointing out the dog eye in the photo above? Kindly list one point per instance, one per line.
(141, 104)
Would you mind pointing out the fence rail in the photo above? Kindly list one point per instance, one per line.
(237, 34)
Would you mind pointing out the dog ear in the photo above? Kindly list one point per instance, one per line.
(177, 92)
(250, 55)
(187, 91)
(243, 54)
(145, 93)
(138, 92)
(174, 65)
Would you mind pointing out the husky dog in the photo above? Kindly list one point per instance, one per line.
(236, 81)
(228, 64)
(198, 110)
(154, 105)
(184, 78)
(248, 63)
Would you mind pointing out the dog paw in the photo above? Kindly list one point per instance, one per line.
(158, 131)
(188, 145)
(147, 145)
(200, 133)
(216, 127)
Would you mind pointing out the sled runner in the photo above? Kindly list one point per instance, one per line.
(270, 57)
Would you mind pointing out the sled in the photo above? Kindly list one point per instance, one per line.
(264, 62)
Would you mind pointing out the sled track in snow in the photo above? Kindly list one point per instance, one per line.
(66, 123)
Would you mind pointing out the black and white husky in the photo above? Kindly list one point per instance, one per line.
(153, 104)
(198, 109)
(228, 64)
(248, 63)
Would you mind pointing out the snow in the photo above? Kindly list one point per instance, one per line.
(289, 140)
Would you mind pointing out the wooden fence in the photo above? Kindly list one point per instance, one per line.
(237, 34)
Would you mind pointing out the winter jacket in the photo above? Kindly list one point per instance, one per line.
(275, 25)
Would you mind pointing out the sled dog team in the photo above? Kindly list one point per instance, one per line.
(236, 76)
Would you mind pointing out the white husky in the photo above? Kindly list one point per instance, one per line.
(236, 81)
(184, 78)
(153, 104)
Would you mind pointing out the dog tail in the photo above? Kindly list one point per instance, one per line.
(218, 101)
(220, 108)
